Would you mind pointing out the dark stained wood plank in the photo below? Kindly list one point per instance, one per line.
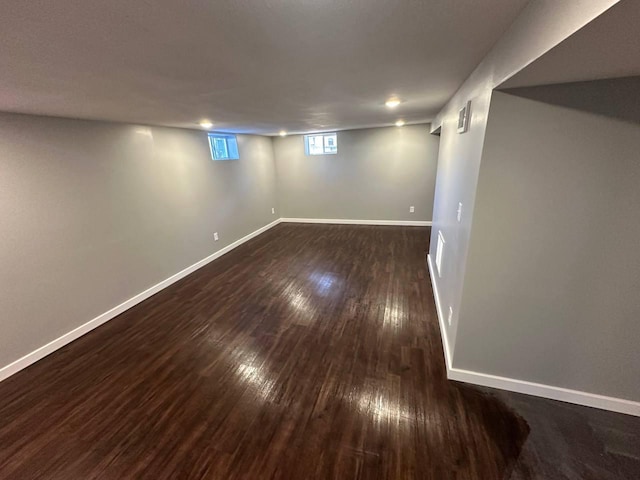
(311, 352)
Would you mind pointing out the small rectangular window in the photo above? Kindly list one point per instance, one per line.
(321, 144)
(223, 146)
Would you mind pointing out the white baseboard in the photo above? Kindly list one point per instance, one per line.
(602, 402)
(69, 337)
(441, 320)
(345, 221)
(587, 399)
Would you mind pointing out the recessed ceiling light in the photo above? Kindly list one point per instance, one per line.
(400, 123)
(206, 124)
(392, 102)
(283, 133)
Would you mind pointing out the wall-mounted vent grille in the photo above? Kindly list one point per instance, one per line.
(439, 252)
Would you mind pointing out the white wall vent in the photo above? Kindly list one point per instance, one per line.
(439, 252)
(463, 117)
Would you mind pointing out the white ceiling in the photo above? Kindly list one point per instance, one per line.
(248, 65)
(608, 47)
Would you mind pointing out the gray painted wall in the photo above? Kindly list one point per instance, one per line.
(377, 174)
(553, 270)
(611, 97)
(542, 25)
(94, 213)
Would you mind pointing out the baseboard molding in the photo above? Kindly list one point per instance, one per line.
(441, 320)
(69, 337)
(343, 221)
(602, 402)
(587, 399)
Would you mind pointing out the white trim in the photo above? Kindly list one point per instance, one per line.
(613, 404)
(69, 337)
(441, 320)
(619, 405)
(346, 221)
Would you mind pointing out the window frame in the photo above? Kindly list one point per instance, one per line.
(212, 136)
(324, 135)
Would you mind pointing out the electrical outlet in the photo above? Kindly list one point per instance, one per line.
(273, 211)
(450, 315)
(215, 237)
(412, 209)
(459, 211)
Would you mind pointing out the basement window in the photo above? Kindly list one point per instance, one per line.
(223, 146)
(321, 144)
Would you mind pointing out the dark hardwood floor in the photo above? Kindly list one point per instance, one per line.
(310, 352)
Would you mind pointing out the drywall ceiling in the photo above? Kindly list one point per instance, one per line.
(249, 66)
(608, 47)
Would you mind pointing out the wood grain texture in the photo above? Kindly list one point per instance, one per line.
(310, 352)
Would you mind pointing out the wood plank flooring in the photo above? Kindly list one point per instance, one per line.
(310, 352)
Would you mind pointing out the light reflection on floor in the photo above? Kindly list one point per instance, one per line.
(378, 404)
(257, 380)
(326, 282)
